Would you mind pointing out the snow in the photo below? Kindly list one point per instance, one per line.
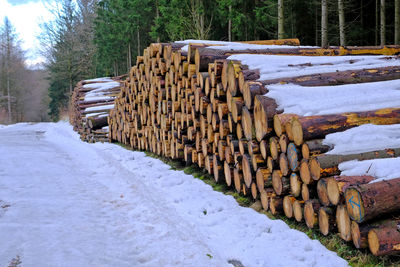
(279, 66)
(97, 114)
(364, 138)
(382, 169)
(98, 97)
(99, 108)
(78, 204)
(101, 86)
(323, 100)
(102, 79)
(223, 45)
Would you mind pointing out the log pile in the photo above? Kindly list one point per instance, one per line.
(90, 105)
(197, 105)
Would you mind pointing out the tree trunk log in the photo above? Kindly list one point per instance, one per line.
(327, 164)
(314, 127)
(365, 202)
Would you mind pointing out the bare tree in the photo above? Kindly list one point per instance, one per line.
(341, 23)
(324, 23)
(383, 23)
(281, 20)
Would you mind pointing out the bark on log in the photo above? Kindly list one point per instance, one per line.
(385, 240)
(314, 127)
(327, 164)
(336, 186)
(365, 202)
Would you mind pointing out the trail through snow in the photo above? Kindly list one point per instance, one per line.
(68, 203)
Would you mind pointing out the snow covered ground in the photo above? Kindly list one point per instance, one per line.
(68, 203)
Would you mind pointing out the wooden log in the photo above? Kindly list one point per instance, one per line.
(295, 185)
(305, 173)
(248, 123)
(274, 147)
(228, 172)
(238, 179)
(95, 123)
(322, 190)
(311, 208)
(263, 179)
(264, 110)
(248, 171)
(276, 205)
(281, 184)
(315, 127)
(264, 148)
(293, 156)
(385, 240)
(359, 234)
(336, 186)
(298, 210)
(282, 124)
(327, 164)
(339, 77)
(313, 148)
(288, 205)
(367, 201)
(343, 223)
(326, 220)
(283, 164)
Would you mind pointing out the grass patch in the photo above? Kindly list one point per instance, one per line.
(346, 250)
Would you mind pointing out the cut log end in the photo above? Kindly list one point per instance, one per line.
(298, 210)
(297, 132)
(355, 205)
(343, 223)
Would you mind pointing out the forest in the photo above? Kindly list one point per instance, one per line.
(93, 38)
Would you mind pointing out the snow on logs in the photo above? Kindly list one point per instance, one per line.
(271, 121)
(90, 104)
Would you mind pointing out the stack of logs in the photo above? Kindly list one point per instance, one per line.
(200, 107)
(89, 115)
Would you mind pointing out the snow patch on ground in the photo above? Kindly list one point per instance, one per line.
(364, 138)
(80, 204)
(278, 66)
(323, 100)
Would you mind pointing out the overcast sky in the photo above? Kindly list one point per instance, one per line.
(26, 16)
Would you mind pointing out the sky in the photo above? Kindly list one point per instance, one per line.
(26, 16)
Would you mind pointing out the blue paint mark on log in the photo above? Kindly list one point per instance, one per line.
(292, 155)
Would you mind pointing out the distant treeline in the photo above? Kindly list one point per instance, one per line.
(102, 38)
(23, 90)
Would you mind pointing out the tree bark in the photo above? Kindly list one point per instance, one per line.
(341, 23)
(281, 20)
(315, 127)
(383, 23)
(336, 186)
(397, 22)
(365, 202)
(385, 240)
(324, 23)
(327, 164)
